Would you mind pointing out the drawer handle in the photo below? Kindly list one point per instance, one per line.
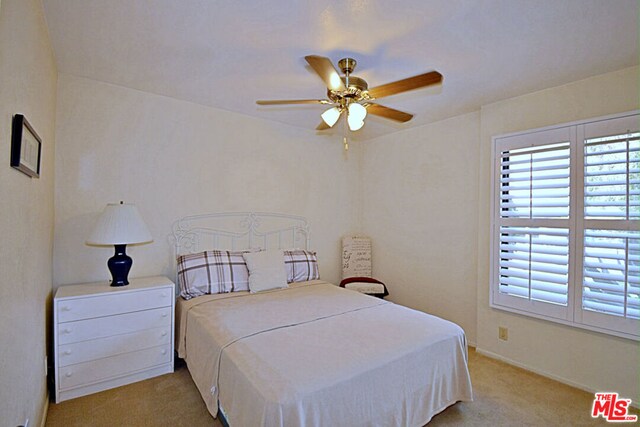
(67, 352)
(164, 352)
(68, 374)
(67, 330)
(164, 294)
(65, 308)
(164, 333)
(165, 314)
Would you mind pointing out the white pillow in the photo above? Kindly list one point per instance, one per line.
(266, 270)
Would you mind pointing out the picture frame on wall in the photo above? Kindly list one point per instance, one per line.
(26, 147)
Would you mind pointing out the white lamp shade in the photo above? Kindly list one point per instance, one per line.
(331, 116)
(120, 224)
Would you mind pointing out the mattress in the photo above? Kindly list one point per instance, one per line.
(317, 355)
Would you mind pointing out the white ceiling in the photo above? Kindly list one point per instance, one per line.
(227, 54)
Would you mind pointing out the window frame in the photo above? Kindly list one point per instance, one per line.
(573, 314)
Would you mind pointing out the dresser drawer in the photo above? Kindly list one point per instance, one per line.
(117, 303)
(86, 373)
(85, 351)
(82, 330)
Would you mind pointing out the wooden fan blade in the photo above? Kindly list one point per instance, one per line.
(411, 83)
(293, 101)
(388, 113)
(327, 72)
(322, 126)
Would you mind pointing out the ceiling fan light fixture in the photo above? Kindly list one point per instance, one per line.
(357, 111)
(331, 116)
(356, 116)
(355, 125)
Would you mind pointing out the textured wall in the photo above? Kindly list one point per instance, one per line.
(27, 86)
(419, 192)
(174, 158)
(586, 359)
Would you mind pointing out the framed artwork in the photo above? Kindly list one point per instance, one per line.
(26, 147)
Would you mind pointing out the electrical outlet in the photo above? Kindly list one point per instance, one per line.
(503, 333)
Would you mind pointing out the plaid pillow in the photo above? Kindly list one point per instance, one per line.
(301, 265)
(212, 272)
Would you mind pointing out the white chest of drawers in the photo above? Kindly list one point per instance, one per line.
(105, 336)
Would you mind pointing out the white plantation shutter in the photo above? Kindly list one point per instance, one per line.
(534, 263)
(566, 224)
(610, 272)
(531, 222)
(612, 177)
(535, 182)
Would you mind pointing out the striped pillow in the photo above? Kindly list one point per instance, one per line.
(301, 265)
(212, 272)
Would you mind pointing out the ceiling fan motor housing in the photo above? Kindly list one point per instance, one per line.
(356, 89)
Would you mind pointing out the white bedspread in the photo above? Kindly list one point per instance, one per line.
(319, 355)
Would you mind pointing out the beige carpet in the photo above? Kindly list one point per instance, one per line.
(504, 396)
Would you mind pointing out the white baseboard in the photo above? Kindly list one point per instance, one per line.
(45, 410)
(544, 373)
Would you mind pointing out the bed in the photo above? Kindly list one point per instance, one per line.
(312, 354)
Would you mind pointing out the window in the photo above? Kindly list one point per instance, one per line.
(566, 229)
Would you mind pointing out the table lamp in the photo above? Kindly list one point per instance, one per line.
(120, 225)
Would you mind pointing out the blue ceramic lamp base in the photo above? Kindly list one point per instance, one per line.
(119, 266)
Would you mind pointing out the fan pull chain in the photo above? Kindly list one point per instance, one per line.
(345, 138)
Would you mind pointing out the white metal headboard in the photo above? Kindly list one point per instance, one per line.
(240, 230)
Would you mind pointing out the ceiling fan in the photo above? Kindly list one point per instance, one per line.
(352, 95)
